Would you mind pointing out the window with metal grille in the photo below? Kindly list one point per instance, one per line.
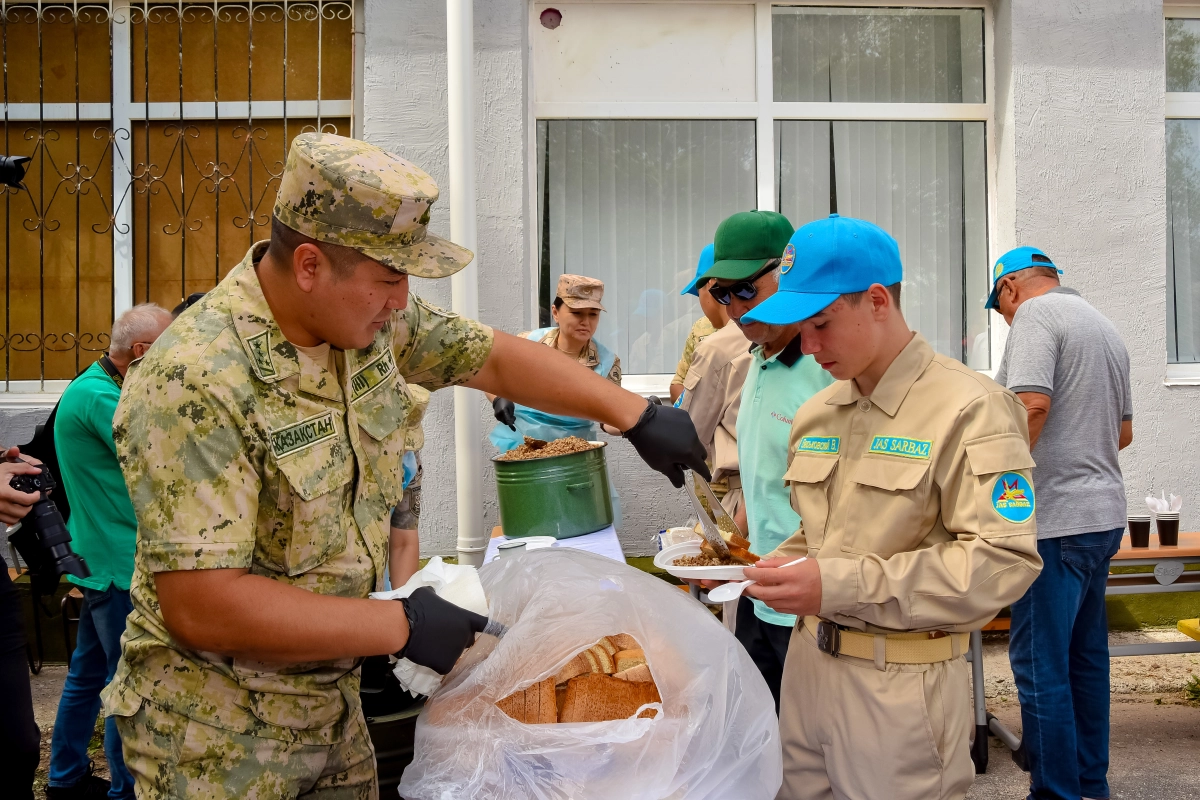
(157, 132)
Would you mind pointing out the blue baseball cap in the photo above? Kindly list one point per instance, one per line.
(707, 258)
(1015, 261)
(825, 260)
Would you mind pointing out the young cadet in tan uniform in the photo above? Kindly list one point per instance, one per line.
(712, 396)
(912, 477)
(710, 388)
(715, 318)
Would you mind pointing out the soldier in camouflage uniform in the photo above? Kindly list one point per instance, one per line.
(261, 441)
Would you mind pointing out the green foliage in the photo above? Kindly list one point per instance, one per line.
(1192, 690)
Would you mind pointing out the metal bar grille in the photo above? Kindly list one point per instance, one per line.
(158, 132)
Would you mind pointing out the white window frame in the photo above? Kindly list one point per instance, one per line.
(765, 111)
(1180, 105)
(122, 112)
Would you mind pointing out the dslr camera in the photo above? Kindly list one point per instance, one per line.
(42, 537)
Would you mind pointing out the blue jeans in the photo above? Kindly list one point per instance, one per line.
(1058, 647)
(97, 652)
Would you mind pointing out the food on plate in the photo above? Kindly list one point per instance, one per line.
(536, 448)
(739, 555)
(608, 681)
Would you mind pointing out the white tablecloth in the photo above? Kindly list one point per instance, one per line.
(603, 543)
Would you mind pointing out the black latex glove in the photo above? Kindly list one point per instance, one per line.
(666, 439)
(438, 630)
(505, 412)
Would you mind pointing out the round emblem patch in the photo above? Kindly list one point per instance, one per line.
(1012, 497)
(789, 258)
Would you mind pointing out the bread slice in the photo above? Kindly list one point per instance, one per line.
(623, 641)
(638, 674)
(627, 659)
(599, 698)
(579, 665)
(534, 706)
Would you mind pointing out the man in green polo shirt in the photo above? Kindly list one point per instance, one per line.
(104, 532)
(751, 250)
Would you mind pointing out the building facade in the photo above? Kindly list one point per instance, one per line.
(611, 138)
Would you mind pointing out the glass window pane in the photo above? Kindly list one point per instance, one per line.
(878, 55)
(1183, 240)
(924, 183)
(632, 202)
(1183, 55)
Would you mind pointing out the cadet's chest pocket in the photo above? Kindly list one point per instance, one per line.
(318, 494)
(888, 508)
(809, 480)
(1003, 491)
(383, 415)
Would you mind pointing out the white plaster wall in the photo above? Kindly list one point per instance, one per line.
(405, 111)
(1080, 103)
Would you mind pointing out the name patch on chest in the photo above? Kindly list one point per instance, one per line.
(374, 373)
(901, 446)
(1012, 497)
(819, 444)
(303, 435)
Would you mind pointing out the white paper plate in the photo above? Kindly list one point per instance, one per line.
(666, 560)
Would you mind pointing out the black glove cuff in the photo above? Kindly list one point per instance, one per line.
(410, 613)
(643, 421)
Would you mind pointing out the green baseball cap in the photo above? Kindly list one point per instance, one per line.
(746, 241)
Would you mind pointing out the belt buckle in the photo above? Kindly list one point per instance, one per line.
(829, 638)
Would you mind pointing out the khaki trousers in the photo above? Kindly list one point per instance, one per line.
(176, 758)
(853, 732)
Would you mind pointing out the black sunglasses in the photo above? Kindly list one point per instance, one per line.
(744, 289)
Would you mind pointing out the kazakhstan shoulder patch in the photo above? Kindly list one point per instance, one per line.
(1012, 497)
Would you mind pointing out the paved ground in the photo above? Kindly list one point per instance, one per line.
(1155, 732)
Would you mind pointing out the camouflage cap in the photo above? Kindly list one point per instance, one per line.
(345, 191)
(578, 291)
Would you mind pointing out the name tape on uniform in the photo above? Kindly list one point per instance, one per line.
(819, 444)
(901, 446)
(373, 374)
(303, 434)
(1012, 497)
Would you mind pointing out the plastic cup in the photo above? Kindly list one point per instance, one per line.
(1168, 530)
(1139, 531)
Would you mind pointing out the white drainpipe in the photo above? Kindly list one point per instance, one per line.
(468, 448)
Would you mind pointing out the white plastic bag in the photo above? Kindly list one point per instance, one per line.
(457, 584)
(716, 736)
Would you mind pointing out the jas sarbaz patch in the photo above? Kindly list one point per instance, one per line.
(1012, 497)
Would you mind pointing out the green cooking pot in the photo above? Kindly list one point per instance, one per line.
(560, 496)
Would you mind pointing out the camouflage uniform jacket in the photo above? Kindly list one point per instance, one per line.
(238, 454)
(589, 356)
(701, 329)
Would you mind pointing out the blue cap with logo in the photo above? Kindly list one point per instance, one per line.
(707, 258)
(825, 260)
(1015, 261)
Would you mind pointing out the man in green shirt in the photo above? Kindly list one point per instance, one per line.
(751, 251)
(104, 532)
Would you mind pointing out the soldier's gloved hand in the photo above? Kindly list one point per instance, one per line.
(666, 439)
(438, 630)
(505, 412)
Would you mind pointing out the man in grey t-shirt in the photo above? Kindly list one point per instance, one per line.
(1067, 363)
